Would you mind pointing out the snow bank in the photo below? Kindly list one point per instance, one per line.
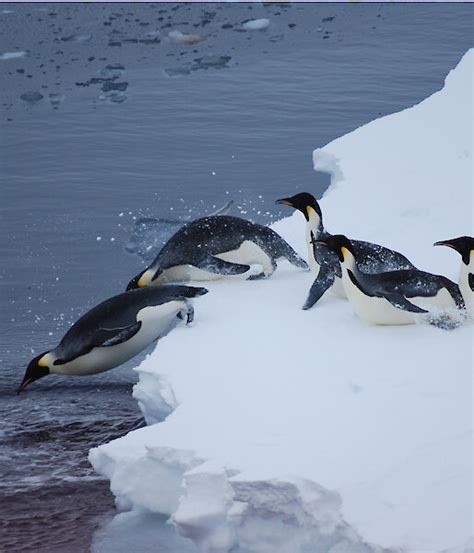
(295, 432)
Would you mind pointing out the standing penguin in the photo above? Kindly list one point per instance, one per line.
(371, 258)
(214, 247)
(465, 246)
(115, 331)
(394, 297)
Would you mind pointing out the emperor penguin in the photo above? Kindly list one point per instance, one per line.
(464, 245)
(115, 331)
(371, 258)
(393, 297)
(215, 247)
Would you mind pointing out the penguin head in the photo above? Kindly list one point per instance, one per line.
(37, 368)
(338, 243)
(304, 202)
(464, 245)
(145, 278)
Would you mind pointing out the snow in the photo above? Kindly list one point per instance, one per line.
(290, 431)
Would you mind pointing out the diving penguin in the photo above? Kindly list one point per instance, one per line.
(115, 331)
(214, 247)
(393, 297)
(371, 258)
(465, 246)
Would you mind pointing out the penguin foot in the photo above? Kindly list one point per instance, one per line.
(258, 276)
(187, 315)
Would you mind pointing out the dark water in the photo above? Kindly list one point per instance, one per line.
(103, 121)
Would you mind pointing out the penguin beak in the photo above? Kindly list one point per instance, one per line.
(318, 242)
(133, 284)
(34, 371)
(444, 243)
(23, 385)
(284, 201)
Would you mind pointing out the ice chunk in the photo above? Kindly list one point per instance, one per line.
(12, 55)
(178, 36)
(31, 97)
(256, 24)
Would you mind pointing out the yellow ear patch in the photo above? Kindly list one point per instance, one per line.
(344, 251)
(309, 210)
(141, 281)
(42, 362)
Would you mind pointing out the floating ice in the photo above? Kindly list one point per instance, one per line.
(31, 97)
(76, 38)
(12, 55)
(112, 71)
(56, 99)
(178, 71)
(256, 24)
(295, 432)
(114, 96)
(178, 36)
(211, 62)
(114, 85)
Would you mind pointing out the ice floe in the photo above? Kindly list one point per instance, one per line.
(256, 24)
(293, 432)
(12, 55)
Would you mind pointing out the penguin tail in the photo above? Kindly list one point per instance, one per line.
(283, 249)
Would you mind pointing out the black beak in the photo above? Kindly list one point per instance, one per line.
(444, 243)
(318, 242)
(23, 385)
(33, 372)
(284, 201)
(133, 284)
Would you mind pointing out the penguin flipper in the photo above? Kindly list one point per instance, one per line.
(101, 337)
(219, 266)
(321, 284)
(113, 336)
(399, 301)
(471, 281)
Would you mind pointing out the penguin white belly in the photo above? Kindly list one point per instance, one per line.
(249, 253)
(156, 322)
(466, 291)
(185, 273)
(375, 310)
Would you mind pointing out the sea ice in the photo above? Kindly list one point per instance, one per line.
(256, 24)
(290, 431)
(31, 97)
(12, 55)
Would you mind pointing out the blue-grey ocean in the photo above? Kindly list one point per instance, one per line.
(110, 132)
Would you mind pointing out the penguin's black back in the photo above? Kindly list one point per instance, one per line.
(410, 283)
(370, 258)
(119, 312)
(214, 235)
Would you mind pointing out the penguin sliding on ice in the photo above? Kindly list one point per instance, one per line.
(394, 297)
(115, 331)
(464, 245)
(371, 258)
(214, 247)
